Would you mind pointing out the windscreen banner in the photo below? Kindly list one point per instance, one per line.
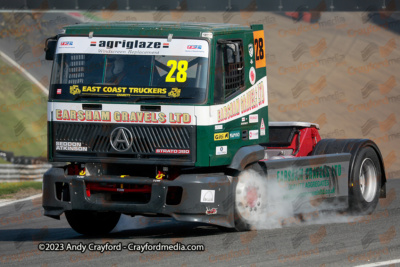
(132, 46)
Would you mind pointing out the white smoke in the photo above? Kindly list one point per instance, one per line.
(283, 207)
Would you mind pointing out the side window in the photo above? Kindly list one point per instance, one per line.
(234, 67)
(219, 76)
(229, 70)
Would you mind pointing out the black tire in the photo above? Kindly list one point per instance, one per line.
(366, 183)
(241, 222)
(92, 223)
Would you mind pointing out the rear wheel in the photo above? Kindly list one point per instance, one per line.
(365, 188)
(250, 198)
(92, 223)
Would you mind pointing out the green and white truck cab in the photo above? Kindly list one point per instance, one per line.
(161, 119)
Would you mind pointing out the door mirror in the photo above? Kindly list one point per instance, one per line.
(50, 48)
(232, 53)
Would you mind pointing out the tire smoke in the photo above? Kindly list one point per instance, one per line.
(281, 206)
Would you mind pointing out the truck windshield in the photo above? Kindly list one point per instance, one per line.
(130, 70)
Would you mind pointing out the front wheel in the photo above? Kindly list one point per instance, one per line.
(250, 198)
(92, 223)
(366, 184)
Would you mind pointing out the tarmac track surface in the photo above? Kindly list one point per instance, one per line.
(348, 242)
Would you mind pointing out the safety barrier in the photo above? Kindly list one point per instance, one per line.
(21, 172)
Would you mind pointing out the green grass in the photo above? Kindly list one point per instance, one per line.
(23, 119)
(12, 188)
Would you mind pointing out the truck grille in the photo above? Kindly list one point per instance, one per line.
(146, 139)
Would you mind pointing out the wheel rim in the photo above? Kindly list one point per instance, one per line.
(249, 196)
(368, 179)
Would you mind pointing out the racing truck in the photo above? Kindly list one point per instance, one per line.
(167, 119)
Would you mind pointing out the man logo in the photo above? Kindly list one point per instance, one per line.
(121, 139)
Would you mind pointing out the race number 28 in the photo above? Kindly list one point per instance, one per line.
(259, 48)
(181, 75)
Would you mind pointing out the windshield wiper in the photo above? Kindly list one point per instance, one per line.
(108, 84)
(156, 98)
(100, 96)
(147, 98)
(128, 96)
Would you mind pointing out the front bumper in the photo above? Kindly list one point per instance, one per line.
(190, 209)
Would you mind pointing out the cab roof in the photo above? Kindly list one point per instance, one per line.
(182, 29)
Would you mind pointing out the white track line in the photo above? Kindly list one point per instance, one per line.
(20, 200)
(24, 72)
(379, 263)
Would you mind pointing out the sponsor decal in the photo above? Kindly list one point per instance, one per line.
(172, 151)
(234, 135)
(133, 46)
(67, 43)
(221, 150)
(128, 44)
(251, 50)
(221, 136)
(253, 134)
(59, 91)
(314, 180)
(253, 118)
(207, 196)
(123, 91)
(194, 47)
(70, 146)
(122, 116)
(74, 90)
(252, 75)
(262, 127)
(175, 92)
(211, 211)
(250, 100)
(218, 127)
